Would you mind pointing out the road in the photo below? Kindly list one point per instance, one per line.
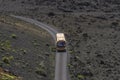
(61, 71)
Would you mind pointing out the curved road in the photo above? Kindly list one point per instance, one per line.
(61, 72)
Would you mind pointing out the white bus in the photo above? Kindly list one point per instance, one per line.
(60, 42)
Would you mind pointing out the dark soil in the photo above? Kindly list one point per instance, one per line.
(93, 45)
(45, 6)
(24, 53)
(93, 39)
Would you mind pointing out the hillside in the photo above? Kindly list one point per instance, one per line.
(93, 38)
(93, 44)
(45, 6)
(7, 76)
(25, 50)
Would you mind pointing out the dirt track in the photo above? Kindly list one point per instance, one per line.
(61, 72)
(93, 36)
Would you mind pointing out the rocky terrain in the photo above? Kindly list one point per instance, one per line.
(93, 44)
(7, 76)
(93, 39)
(58, 6)
(25, 50)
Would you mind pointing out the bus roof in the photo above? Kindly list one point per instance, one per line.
(60, 36)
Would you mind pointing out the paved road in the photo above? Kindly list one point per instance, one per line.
(61, 57)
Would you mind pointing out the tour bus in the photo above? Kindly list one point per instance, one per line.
(60, 42)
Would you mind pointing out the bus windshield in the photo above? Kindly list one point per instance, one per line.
(61, 44)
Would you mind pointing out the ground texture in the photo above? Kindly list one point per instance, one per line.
(25, 52)
(93, 45)
(93, 38)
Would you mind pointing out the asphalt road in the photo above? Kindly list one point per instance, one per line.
(61, 72)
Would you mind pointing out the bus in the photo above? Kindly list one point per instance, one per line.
(60, 42)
